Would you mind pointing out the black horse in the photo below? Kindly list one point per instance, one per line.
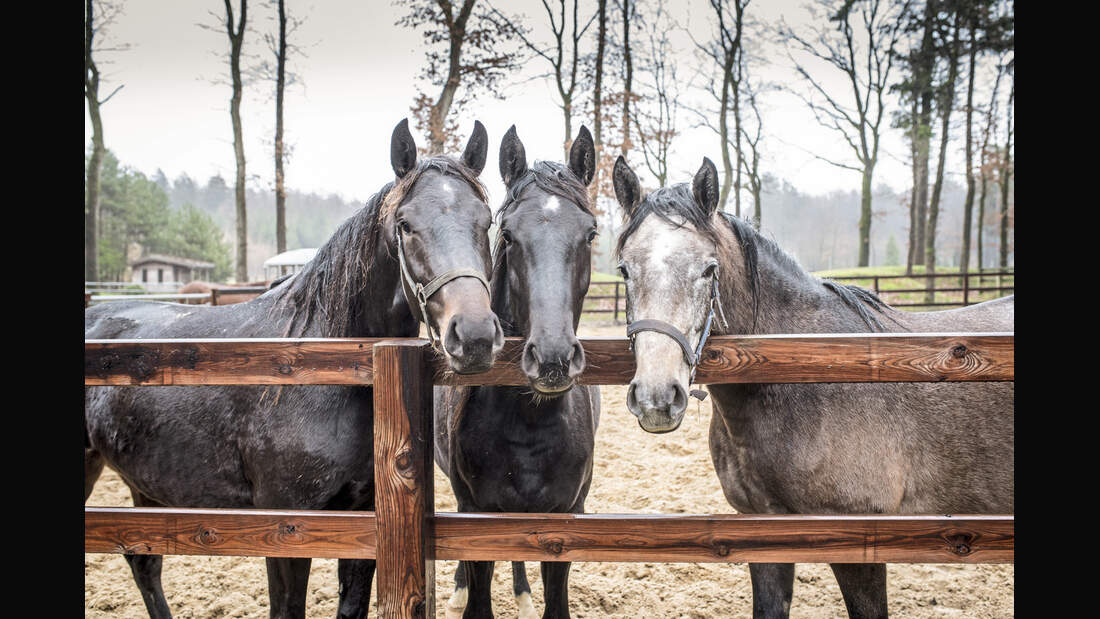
(303, 447)
(520, 449)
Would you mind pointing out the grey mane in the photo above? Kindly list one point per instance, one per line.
(676, 202)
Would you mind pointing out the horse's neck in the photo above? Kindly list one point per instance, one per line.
(789, 300)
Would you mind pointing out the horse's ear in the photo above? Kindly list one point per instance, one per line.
(402, 149)
(627, 188)
(704, 187)
(477, 149)
(582, 157)
(513, 157)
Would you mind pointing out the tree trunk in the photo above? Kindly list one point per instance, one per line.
(597, 101)
(739, 8)
(865, 216)
(280, 85)
(937, 189)
(236, 40)
(723, 132)
(438, 118)
(1005, 174)
(968, 206)
(91, 206)
(981, 218)
(914, 140)
(95, 163)
(923, 89)
(628, 78)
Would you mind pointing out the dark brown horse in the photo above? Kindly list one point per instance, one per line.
(936, 448)
(302, 447)
(529, 449)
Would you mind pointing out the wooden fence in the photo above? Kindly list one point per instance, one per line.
(404, 533)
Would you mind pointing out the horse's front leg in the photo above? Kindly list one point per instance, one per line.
(555, 588)
(863, 586)
(356, 576)
(287, 580)
(479, 579)
(772, 587)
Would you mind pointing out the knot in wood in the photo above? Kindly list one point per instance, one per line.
(208, 536)
(722, 549)
(285, 369)
(553, 546)
(287, 528)
(958, 351)
(960, 543)
(403, 462)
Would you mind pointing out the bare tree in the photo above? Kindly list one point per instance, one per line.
(235, 30)
(597, 95)
(751, 159)
(563, 63)
(952, 50)
(867, 71)
(984, 171)
(281, 49)
(629, 12)
(471, 57)
(655, 124)
(97, 15)
(1006, 171)
(726, 51)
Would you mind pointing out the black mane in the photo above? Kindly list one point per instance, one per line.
(676, 205)
(332, 285)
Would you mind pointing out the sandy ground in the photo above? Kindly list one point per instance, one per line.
(635, 472)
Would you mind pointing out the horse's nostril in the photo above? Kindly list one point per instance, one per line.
(632, 400)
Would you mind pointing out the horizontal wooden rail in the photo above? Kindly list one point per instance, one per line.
(230, 532)
(563, 537)
(149, 297)
(857, 357)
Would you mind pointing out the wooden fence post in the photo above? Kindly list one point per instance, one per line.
(213, 297)
(404, 494)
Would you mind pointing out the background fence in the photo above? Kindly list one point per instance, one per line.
(607, 300)
(405, 535)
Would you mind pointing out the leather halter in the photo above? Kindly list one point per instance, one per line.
(691, 356)
(422, 293)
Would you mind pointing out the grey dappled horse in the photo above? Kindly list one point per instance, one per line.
(935, 448)
(302, 447)
(529, 449)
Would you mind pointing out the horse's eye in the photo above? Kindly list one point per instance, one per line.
(405, 227)
(622, 271)
(507, 236)
(592, 236)
(710, 270)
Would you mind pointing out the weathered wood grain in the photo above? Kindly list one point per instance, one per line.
(403, 478)
(229, 532)
(725, 538)
(213, 361)
(847, 357)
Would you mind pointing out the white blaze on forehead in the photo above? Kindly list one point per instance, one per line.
(551, 205)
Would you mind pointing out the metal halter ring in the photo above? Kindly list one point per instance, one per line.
(422, 293)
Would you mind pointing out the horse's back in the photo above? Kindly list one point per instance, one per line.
(995, 315)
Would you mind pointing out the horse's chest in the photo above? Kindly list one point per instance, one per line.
(519, 473)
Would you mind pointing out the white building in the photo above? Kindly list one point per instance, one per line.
(157, 271)
(288, 262)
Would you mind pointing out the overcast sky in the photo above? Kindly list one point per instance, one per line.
(359, 81)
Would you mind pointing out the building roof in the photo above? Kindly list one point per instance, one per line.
(293, 257)
(183, 262)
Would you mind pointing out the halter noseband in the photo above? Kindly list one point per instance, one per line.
(691, 356)
(422, 293)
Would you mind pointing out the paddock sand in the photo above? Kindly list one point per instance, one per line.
(635, 472)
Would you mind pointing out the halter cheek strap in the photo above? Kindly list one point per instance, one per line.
(421, 293)
(691, 356)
